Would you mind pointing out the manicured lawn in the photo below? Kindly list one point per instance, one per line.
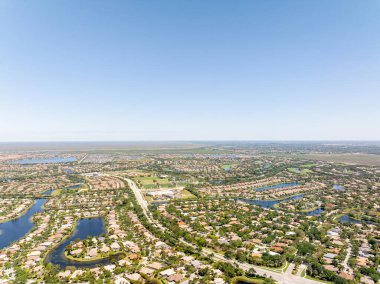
(186, 194)
(286, 266)
(228, 166)
(56, 192)
(303, 273)
(300, 171)
(152, 182)
(238, 279)
(276, 269)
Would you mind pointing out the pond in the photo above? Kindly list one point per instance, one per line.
(75, 186)
(48, 192)
(315, 212)
(338, 187)
(55, 160)
(215, 182)
(348, 219)
(87, 227)
(280, 185)
(15, 229)
(269, 203)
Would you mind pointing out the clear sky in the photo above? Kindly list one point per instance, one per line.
(189, 70)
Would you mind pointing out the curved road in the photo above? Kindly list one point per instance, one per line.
(281, 277)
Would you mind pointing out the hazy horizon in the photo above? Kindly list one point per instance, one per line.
(169, 145)
(184, 141)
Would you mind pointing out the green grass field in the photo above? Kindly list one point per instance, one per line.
(153, 182)
(244, 279)
(228, 166)
(56, 192)
(187, 194)
(308, 166)
(300, 171)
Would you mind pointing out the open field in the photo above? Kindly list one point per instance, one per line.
(185, 194)
(153, 182)
(358, 159)
(300, 171)
(229, 166)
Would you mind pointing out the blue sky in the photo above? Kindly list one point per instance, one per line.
(189, 70)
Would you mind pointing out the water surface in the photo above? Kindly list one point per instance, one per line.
(280, 185)
(75, 186)
(269, 203)
(55, 160)
(48, 192)
(15, 229)
(338, 187)
(315, 212)
(348, 219)
(87, 227)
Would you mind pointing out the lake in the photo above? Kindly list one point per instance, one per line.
(269, 203)
(315, 212)
(86, 227)
(348, 219)
(55, 160)
(48, 192)
(280, 185)
(15, 229)
(75, 186)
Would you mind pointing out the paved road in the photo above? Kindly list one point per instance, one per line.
(290, 268)
(345, 261)
(281, 277)
(139, 196)
(301, 268)
(84, 158)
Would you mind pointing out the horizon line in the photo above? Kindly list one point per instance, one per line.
(193, 140)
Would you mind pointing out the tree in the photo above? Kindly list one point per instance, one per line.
(251, 272)
(305, 248)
